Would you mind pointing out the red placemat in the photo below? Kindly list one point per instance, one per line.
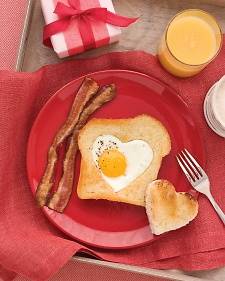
(12, 14)
(29, 244)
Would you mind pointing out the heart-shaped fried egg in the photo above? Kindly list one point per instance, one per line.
(121, 163)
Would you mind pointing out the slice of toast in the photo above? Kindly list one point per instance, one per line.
(167, 209)
(91, 184)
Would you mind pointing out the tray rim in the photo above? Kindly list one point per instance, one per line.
(24, 36)
(165, 274)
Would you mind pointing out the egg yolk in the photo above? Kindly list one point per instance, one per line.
(112, 163)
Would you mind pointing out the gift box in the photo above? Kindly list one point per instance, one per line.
(73, 26)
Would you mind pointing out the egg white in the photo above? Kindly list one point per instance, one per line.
(138, 154)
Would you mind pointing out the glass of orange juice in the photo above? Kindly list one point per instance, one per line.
(191, 41)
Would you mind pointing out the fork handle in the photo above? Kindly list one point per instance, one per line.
(216, 207)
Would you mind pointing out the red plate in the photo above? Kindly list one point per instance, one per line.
(102, 223)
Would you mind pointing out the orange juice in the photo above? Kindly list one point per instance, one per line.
(191, 41)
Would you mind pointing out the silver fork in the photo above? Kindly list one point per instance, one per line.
(197, 178)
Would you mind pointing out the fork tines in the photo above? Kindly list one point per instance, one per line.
(190, 166)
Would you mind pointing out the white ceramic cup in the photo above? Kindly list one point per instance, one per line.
(214, 107)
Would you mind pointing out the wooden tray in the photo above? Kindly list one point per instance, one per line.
(144, 35)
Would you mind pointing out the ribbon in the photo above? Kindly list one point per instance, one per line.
(72, 12)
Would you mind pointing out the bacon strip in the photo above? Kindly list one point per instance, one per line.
(87, 90)
(61, 197)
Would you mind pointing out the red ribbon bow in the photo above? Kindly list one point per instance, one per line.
(84, 18)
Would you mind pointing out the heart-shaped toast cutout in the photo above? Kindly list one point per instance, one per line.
(137, 156)
(167, 209)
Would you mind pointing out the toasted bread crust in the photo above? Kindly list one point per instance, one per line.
(91, 184)
(167, 209)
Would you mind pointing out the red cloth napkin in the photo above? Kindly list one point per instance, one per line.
(29, 244)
